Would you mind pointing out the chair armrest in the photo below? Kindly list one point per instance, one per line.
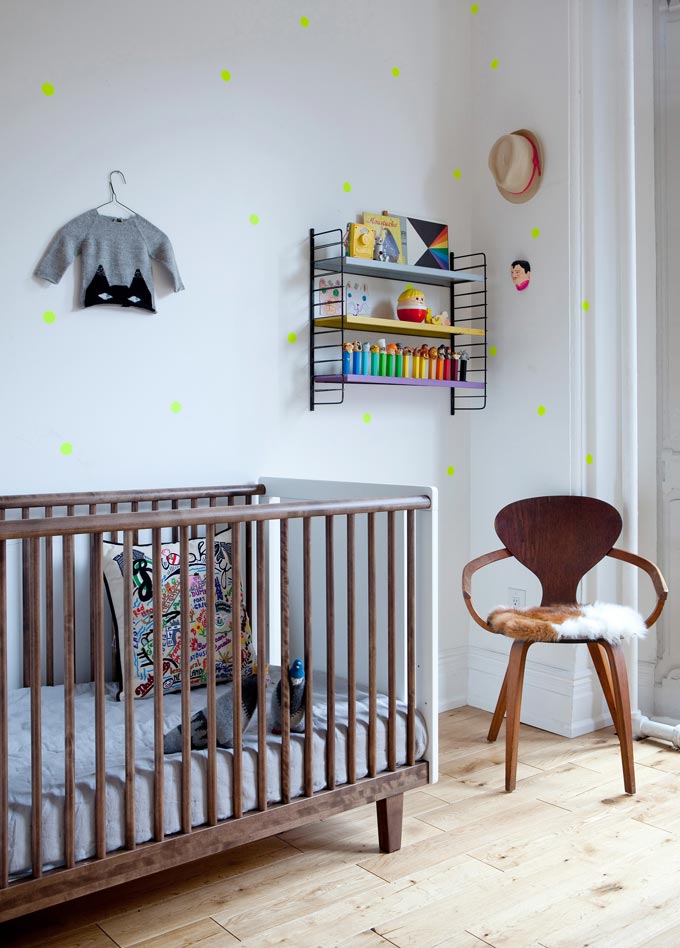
(468, 572)
(653, 571)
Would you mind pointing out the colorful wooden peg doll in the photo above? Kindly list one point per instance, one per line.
(366, 359)
(399, 363)
(447, 363)
(441, 355)
(375, 359)
(356, 357)
(383, 356)
(406, 369)
(347, 351)
(416, 363)
(455, 362)
(424, 362)
(391, 358)
(433, 362)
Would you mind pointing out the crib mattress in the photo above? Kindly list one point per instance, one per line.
(19, 770)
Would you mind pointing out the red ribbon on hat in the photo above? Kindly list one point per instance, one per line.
(537, 167)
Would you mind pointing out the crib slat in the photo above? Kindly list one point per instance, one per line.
(285, 663)
(99, 694)
(391, 647)
(175, 532)
(69, 707)
(158, 754)
(411, 636)
(4, 727)
(309, 684)
(330, 655)
(134, 507)
(351, 656)
(49, 607)
(114, 509)
(194, 529)
(212, 677)
(26, 600)
(185, 662)
(36, 730)
(372, 665)
(128, 662)
(249, 563)
(237, 791)
(92, 510)
(261, 672)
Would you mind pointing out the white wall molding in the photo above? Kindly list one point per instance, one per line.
(453, 678)
(564, 701)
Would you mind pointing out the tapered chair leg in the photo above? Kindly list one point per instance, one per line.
(598, 655)
(499, 713)
(617, 664)
(515, 682)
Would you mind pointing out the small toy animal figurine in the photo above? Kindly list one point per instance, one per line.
(442, 319)
(379, 252)
(224, 708)
(296, 695)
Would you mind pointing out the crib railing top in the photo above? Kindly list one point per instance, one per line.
(149, 495)
(202, 516)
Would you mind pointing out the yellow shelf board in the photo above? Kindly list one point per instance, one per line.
(395, 326)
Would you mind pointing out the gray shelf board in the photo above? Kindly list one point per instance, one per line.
(397, 271)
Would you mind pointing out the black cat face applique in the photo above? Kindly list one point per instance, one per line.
(100, 291)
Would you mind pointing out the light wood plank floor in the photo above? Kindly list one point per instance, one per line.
(567, 861)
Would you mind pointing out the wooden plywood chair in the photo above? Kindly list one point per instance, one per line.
(559, 539)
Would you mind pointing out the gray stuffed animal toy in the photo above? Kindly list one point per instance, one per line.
(172, 742)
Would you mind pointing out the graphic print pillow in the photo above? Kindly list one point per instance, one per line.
(145, 577)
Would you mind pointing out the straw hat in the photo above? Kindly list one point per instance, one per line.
(516, 163)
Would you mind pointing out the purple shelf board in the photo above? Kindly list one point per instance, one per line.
(386, 380)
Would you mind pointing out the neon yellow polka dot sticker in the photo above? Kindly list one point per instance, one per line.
(492, 350)
(346, 186)
(49, 317)
(494, 64)
(396, 71)
(586, 306)
(541, 410)
(292, 337)
(450, 470)
(589, 459)
(47, 88)
(176, 408)
(66, 448)
(536, 232)
(474, 8)
(226, 75)
(304, 21)
(456, 172)
(366, 417)
(254, 219)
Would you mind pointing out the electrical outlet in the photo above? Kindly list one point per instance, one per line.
(517, 598)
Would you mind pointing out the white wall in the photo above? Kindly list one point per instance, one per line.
(138, 87)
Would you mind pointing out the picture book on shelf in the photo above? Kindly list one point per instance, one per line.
(427, 244)
(393, 228)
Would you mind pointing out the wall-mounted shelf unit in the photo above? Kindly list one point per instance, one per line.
(466, 281)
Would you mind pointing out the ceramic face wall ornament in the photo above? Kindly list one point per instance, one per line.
(520, 271)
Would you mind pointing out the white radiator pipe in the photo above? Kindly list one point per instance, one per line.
(645, 727)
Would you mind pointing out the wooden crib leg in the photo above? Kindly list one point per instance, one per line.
(390, 813)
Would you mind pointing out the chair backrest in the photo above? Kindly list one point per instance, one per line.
(559, 539)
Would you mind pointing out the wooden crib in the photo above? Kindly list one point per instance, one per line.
(376, 632)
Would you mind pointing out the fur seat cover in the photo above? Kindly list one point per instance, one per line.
(601, 620)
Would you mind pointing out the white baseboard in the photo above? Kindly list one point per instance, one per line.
(565, 702)
(646, 672)
(453, 678)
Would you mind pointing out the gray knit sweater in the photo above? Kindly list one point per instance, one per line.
(116, 254)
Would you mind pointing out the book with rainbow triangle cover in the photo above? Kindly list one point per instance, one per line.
(427, 244)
